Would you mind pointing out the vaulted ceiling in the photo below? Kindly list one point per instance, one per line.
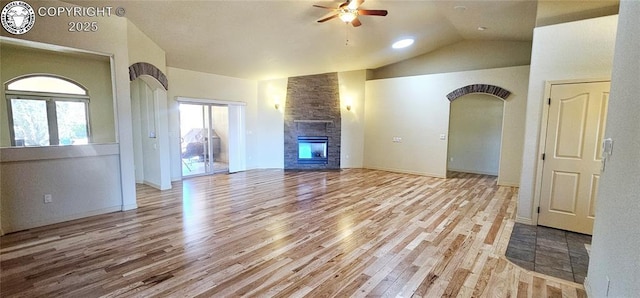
(273, 39)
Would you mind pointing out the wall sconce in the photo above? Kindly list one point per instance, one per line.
(348, 107)
(276, 102)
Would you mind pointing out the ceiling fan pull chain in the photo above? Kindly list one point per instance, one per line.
(346, 34)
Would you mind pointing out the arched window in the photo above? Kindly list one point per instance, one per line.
(47, 110)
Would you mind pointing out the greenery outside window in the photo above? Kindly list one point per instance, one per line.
(47, 110)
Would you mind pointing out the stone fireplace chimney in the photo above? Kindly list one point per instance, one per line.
(312, 112)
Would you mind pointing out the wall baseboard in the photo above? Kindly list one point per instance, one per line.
(524, 220)
(508, 183)
(129, 207)
(60, 219)
(404, 172)
(159, 187)
(587, 287)
(473, 172)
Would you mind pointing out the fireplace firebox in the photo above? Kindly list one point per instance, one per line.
(313, 150)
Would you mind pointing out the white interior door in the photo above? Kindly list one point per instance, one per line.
(572, 155)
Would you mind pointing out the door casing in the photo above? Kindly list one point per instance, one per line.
(542, 138)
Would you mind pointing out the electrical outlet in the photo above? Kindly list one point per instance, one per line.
(48, 198)
(443, 137)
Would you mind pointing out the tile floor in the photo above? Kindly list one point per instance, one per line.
(549, 251)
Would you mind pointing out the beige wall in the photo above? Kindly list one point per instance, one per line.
(475, 134)
(270, 134)
(352, 91)
(615, 253)
(461, 56)
(579, 50)
(91, 71)
(552, 12)
(416, 109)
(143, 49)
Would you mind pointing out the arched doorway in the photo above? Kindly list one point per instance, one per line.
(475, 134)
(150, 126)
(475, 129)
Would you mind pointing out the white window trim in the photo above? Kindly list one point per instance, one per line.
(50, 99)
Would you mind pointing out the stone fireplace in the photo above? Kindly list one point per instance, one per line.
(312, 123)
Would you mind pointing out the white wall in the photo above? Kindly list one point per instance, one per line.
(193, 84)
(416, 109)
(475, 133)
(577, 50)
(352, 91)
(461, 56)
(83, 180)
(615, 250)
(270, 133)
(137, 131)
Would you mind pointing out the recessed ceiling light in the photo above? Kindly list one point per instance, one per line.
(403, 43)
(460, 8)
(482, 28)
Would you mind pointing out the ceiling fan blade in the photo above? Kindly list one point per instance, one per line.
(356, 22)
(329, 16)
(320, 6)
(372, 12)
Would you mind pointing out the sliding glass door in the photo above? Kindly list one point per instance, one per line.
(203, 131)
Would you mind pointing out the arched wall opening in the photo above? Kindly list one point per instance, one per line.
(475, 134)
(475, 129)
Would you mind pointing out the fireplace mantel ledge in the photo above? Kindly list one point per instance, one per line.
(313, 121)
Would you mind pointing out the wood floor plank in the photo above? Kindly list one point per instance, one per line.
(270, 233)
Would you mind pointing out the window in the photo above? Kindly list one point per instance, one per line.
(46, 110)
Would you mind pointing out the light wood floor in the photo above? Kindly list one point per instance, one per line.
(270, 233)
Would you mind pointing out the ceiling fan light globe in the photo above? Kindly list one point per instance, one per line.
(348, 16)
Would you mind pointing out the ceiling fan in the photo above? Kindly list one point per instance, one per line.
(349, 11)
